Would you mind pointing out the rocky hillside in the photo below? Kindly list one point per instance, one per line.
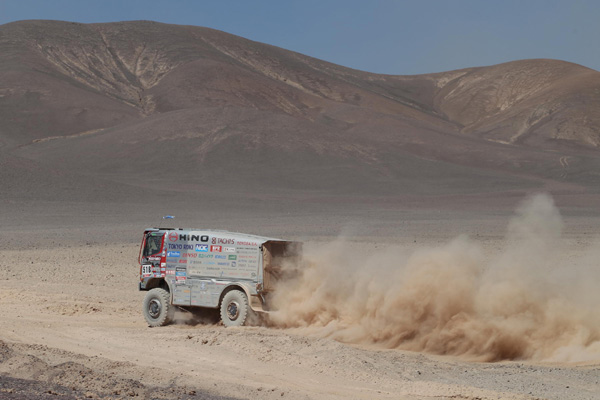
(186, 105)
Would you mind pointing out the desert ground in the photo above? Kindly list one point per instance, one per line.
(72, 325)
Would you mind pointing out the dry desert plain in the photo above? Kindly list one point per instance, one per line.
(402, 307)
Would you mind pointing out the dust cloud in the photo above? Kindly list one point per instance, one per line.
(523, 303)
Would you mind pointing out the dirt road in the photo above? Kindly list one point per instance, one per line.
(72, 328)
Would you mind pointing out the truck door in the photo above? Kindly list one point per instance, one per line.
(151, 254)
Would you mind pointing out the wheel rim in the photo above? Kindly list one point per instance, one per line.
(154, 308)
(233, 310)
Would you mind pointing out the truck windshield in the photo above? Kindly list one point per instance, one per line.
(153, 245)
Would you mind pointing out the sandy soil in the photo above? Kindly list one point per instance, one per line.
(72, 328)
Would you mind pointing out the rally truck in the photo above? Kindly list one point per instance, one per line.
(233, 272)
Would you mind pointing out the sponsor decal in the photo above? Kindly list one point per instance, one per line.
(253, 274)
(210, 263)
(232, 257)
(246, 250)
(223, 263)
(233, 263)
(202, 247)
(170, 272)
(193, 238)
(215, 249)
(220, 257)
(229, 249)
(217, 240)
(190, 255)
(173, 236)
(180, 275)
(182, 261)
(243, 243)
(173, 254)
(153, 258)
(180, 246)
(206, 255)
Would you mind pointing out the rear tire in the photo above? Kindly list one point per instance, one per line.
(234, 308)
(157, 308)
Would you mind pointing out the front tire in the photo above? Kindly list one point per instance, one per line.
(234, 308)
(157, 308)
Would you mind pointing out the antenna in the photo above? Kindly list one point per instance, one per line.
(166, 217)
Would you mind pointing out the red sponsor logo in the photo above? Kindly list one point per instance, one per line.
(215, 249)
(173, 236)
(247, 244)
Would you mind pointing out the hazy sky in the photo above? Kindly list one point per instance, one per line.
(393, 37)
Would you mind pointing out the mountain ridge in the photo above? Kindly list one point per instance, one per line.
(70, 94)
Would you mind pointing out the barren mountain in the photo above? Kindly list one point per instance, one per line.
(178, 107)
